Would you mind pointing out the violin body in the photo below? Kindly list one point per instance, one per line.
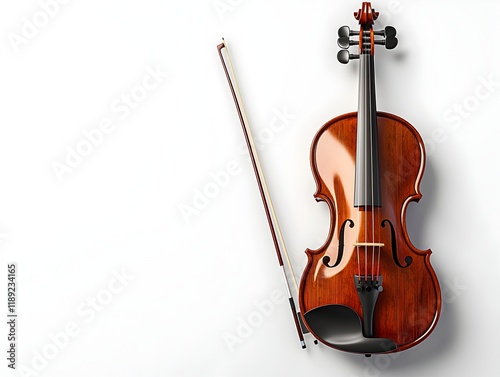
(368, 289)
(408, 307)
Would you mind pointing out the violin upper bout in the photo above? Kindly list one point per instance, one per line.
(333, 164)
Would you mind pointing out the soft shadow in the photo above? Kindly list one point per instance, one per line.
(439, 344)
(400, 55)
(417, 214)
(441, 341)
(432, 350)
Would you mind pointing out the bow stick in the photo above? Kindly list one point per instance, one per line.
(261, 182)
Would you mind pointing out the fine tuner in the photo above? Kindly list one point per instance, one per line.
(389, 40)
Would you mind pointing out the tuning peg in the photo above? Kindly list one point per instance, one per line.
(388, 32)
(345, 31)
(345, 42)
(343, 56)
(391, 42)
(388, 42)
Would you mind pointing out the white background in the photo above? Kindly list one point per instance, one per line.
(196, 291)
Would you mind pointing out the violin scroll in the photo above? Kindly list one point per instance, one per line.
(366, 36)
(366, 15)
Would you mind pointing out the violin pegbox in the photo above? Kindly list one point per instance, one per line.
(366, 35)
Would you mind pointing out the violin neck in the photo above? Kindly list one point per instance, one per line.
(367, 178)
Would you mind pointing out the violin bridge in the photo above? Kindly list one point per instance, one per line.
(375, 244)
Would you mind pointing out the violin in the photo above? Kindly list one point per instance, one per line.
(368, 289)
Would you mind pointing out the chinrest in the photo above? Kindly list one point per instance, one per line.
(340, 327)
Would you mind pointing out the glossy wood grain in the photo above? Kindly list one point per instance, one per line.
(408, 307)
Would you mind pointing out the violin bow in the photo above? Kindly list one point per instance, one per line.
(261, 182)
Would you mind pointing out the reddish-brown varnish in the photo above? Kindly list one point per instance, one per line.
(408, 308)
(375, 242)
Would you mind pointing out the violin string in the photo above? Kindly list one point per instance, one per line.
(372, 172)
(360, 204)
(357, 252)
(372, 130)
(366, 177)
(358, 243)
(366, 131)
(378, 172)
(378, 262)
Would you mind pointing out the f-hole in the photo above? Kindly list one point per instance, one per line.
(340, 253)
(408, 259)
